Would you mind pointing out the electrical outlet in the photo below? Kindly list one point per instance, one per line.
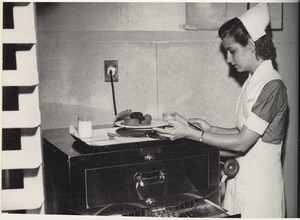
(111, 66)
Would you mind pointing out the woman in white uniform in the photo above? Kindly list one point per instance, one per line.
(261, 113)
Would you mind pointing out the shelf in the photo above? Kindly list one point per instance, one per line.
(21, 116)
(19, 119)
(30, 155)
(28, 116)
(29, 197)
(24, 26)
(26, 73)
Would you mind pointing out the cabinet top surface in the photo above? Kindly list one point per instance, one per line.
(62, 140)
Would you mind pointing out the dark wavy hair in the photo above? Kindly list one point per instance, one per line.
(264, 46)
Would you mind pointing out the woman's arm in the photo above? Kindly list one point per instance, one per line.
(219, 130)
(212, 129)
(239, 142)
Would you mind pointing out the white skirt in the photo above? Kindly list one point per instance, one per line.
(258, 188)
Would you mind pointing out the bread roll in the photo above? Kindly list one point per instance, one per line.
(137, 115)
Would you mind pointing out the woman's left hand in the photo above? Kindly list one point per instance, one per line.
(176, 131)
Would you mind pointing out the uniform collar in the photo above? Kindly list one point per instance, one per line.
(262, 71)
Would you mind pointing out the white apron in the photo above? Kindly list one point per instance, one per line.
(257, 190)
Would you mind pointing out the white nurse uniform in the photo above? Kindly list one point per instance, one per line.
(258, 189)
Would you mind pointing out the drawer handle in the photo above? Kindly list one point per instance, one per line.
(150, 201)
(149, 157)
(149, 178)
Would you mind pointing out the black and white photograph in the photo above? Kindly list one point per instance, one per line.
(151, 109)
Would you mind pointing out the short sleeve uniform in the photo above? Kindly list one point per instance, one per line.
(271, 107)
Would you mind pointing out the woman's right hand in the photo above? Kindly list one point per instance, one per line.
(201, 123)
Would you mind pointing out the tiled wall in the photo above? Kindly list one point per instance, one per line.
(191, 78)
(153, 77)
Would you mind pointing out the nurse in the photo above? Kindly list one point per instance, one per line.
(261, 113)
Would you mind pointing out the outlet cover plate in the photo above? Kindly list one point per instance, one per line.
(107, 64)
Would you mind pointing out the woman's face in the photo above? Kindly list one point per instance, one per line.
(237, 55)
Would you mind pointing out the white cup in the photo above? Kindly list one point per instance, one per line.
(85, 126)
(168, 115)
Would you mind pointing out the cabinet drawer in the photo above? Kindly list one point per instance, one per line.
(138, 182)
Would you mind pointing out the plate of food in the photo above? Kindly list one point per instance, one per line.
(153, 124)
(137, 120)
